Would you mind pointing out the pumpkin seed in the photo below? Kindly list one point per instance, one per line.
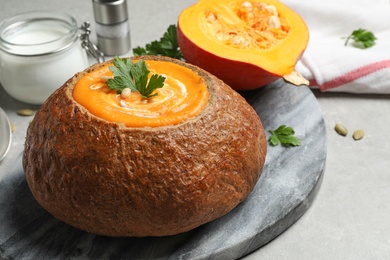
(274, 22)
(13, 127)
(271, 9)
(105, 78)
(25, 112)
(126, 93)
(296, 79)
(358, 134)
(341, 130)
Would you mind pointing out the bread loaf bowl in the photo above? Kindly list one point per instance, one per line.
(111, 179)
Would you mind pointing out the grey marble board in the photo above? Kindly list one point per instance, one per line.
(290, 181)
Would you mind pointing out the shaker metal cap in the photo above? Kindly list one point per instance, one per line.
(110, 11)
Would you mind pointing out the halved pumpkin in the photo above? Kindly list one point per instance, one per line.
(247, 44)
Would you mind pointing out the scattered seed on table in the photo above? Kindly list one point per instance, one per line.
(358, 134)
(13, 127)
(341, 130)
(25, 112)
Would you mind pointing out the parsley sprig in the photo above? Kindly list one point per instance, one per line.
(166, 46)
(284, 135)
(134, 76)
(362, 38)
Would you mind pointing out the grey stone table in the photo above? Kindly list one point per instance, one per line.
(290, 181)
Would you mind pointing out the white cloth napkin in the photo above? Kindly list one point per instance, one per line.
(331, 66)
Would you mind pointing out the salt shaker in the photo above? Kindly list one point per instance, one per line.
(112, 27)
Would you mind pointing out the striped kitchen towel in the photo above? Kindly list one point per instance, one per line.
(328, 63)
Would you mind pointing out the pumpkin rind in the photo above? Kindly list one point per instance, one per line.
(242, 69)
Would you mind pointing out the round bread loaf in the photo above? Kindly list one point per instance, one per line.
(109, 179)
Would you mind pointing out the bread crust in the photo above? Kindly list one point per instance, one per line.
(109, 179)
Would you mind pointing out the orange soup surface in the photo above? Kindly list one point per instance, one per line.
(184, 95)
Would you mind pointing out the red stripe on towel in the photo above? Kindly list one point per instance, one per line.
(355, 74)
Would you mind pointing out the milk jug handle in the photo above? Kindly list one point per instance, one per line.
(89, 46)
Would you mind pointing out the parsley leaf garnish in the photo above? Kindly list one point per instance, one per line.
(134, 76)
(362, 38)
(166, 46)
(284, 135)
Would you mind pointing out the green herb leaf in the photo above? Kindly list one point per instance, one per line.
(122, 78)
(135, 77)
(363, 38)
(166, 46)
(284, 135)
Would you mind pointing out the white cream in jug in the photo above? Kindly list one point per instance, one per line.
(38, 56)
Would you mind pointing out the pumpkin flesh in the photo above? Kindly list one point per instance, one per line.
(248, 44)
